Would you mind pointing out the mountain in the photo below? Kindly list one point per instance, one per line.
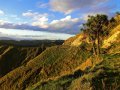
(31, 43)
(17, 53)
(70, 66)
(5, 38)
(90, 74)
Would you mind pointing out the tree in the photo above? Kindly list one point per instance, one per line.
(96, 29)
(117, 17)
(117, 13)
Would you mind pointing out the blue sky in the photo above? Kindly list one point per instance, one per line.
(64, 16)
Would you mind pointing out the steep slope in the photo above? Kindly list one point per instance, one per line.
(15, 53)
(76, 40)
(12, 57)
(113, 37)
(71, 40)
(105, 75)
(53, 62)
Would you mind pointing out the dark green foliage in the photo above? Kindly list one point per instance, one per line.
(96, 29)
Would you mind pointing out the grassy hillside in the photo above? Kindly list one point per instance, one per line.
(102, 75)
(70, 66)
(53, 62)
(12, 56)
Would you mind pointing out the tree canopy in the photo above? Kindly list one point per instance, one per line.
(96, 29)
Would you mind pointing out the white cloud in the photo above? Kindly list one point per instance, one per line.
(67, 6)
(2, 12)
(29, 13)
(38, 19)
(2, 22)
(66, 22)
(41, 22)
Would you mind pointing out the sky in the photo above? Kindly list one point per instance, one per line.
(50, 16)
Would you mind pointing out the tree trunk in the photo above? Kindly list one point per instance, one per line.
(98, 43)
(94, 48)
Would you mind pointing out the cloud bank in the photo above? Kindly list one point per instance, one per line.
(40, 23)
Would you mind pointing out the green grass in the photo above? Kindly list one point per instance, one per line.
(53, 62)
(102, 76)
(15, 53)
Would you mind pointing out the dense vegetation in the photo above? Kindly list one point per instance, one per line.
(71, 66)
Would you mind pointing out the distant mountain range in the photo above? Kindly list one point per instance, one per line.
(6, 38)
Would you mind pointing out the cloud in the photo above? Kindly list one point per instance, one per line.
(2, 12)
(64, 25)
(38, 19)
(68, 6)
(42, 5)
(41, 22)
(9, 25)
(2, 22)
(67, 24)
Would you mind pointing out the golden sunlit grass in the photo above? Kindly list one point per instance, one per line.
(103, 74)
(115, 33)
